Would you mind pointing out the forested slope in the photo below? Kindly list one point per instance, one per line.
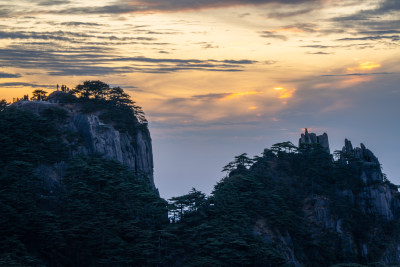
(76, 189)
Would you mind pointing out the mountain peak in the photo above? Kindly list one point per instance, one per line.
(312, 138)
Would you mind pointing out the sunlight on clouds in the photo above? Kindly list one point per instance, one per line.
(252, 108)
(369, 65)
(235, 95)
(285, 93)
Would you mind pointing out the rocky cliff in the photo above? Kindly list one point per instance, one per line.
(357, 221)
(63, 202)
(312, 138)
(85, 133)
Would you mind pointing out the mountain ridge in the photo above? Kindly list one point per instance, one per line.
(77, 190)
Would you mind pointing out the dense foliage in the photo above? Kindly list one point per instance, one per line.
(100, 214)
(259, 213)
(115, 105)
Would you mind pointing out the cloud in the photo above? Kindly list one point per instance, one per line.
(9, 75)
(393, 38)
(279, 14)
(318, 53)
(53, 2)
(285, 93)
(377, 23)
(92, 61)
(273, 35)
(369, 65)
(357, 74)
(211, 96)
(22, 84)
(387, 6)
(206, 45)
(71, 37)
(350, 45)
(240, 94)
(319, 46)
(143, 6)
(33, 35)
(379, 32)
(78, 23)
(298, 28)
(199, 62)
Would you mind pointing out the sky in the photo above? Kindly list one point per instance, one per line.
(218, 78)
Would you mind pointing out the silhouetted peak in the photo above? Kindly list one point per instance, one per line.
(371, 168)
(312, 138)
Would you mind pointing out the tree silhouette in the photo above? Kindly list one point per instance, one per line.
(284, 147)
(39, 95)
(240, 161)
(92, 89)
(3, 104)
(120, 107)
(190, 202)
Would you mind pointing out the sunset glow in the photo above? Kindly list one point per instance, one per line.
(235, 95)
(369, 65)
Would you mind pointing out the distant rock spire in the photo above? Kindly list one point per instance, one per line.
(312, 138)
(371, 168)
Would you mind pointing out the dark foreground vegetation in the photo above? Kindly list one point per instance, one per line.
(101, 214)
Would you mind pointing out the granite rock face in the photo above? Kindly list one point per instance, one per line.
(373, 197)
(99, 138)
(376, 197)
(95, 137)
(312, 138)
(370, 169)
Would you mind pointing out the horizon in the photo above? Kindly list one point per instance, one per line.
(220, 78)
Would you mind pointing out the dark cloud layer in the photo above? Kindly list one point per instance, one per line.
(290, 13)
(357, 74)
(318, 53)
(378, 23)
(78, 23)
(53, 2)
(95, 61)
(22, 84)
(126, 6)
(393, 38)
(273, 35)
(9, 75)
(210, 96)
(72, 37)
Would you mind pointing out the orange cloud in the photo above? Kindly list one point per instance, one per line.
(367, 65)
(252, 107)
(285, 93)
(234, 95)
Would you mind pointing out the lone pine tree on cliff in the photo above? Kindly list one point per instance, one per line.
(39, 95)
(112, 96)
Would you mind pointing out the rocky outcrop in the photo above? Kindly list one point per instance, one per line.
(282, 242)
(312, 138)
(92, 136)
(370, 167)
(376, 198)
(100, 138)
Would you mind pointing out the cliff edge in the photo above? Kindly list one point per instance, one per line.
(84, 132)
